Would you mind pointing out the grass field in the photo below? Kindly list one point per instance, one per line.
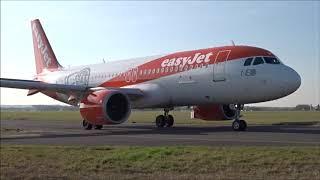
(105, 162)
(174, 162)
(181, 117)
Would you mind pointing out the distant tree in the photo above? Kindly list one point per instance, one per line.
(303, 107)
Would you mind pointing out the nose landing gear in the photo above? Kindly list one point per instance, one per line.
(239, 124)
(165, 120)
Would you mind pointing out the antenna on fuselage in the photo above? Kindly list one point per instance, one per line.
(233, 43)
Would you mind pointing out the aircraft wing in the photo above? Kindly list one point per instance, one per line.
(37, 86)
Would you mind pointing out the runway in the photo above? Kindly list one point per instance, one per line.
(71, 133)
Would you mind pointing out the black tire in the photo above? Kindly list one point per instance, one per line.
(169, 121)
(236, 125)
(86, 125)
(243, 125)
(98, 127)
(160, 121)
(239, 125)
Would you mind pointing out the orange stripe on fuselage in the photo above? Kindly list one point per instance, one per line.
(186, 60)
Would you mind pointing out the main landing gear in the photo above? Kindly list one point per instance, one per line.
(165, 120)
(239, 124)
(88, 126)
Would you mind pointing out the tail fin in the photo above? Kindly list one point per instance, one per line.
(44, 55)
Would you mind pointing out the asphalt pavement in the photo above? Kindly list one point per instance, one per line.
(71, 133)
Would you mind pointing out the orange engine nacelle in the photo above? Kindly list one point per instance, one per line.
(105, 107)
(213, 112)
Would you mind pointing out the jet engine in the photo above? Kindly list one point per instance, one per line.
(213, 112)
(105, 107)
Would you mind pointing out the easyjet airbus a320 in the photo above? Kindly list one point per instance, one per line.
(216, 82)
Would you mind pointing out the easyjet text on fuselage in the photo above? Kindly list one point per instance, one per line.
(198, 58)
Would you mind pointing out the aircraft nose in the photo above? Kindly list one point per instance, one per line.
(291, 80)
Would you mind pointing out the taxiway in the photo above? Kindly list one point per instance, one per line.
(71, 133)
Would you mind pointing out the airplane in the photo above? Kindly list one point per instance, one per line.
(216, 82)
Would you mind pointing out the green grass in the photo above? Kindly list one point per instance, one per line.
(181, 117)
(106, 162)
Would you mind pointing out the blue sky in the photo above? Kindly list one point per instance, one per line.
(86, 32)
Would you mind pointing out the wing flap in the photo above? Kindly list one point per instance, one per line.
(128, 91)
(38, 86)
(30, 84)
(32, 92)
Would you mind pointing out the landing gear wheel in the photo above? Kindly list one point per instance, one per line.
(165, 120)
(98, 127)
(236, 125)
(239, 125)
(160, 121)
(243, 125)
(86, 125)
(169, 121)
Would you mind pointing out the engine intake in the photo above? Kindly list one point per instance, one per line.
(105, 107)
(117, 107)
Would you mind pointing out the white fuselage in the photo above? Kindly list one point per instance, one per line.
(221, 83)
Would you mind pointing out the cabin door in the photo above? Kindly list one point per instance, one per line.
(219, 66)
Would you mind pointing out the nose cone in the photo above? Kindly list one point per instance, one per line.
(290, 80)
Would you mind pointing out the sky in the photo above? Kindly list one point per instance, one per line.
(84, 32)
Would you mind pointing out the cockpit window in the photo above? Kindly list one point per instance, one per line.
(258, 60)
(248, 62)
(271, 60)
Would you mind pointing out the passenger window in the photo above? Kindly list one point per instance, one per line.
(258, 60)
(248, 62)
